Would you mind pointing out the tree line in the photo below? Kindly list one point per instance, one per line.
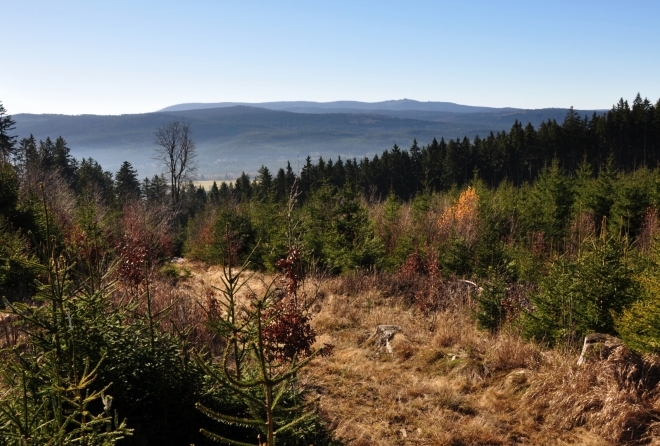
(625, 138)
(628, 137)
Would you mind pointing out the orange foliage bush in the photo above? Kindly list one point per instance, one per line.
(461, 219)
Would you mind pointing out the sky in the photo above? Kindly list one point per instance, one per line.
(116, 57)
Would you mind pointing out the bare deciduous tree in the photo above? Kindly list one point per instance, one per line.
(176, 151)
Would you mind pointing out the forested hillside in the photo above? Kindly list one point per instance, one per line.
(626, 138)
(231, 140)
(492, 257)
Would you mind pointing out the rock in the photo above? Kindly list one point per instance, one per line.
(383, 335)
(517, 379)
(598, 346)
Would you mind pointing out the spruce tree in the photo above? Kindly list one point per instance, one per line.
(639, 324)
(214, 195)
(26, 155)
(155, 190)
(64, 162)
(532, 158)
(90, 178)
(7, 141)
(47, 154)
(263, 184)
(244, 188)
(290, 177)
(550, 202)
(279, 185)
(585, 295)
(127, 185)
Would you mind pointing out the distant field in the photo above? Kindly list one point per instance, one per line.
(208, 184)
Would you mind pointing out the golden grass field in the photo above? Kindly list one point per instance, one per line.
(449, 383)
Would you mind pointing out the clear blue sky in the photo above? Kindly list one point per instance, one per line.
(113, 57)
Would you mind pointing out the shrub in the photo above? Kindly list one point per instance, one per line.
(462, 219)
(17, 265)
(337, 232)
(52, 391)
(491, 310)
(583, 295)
(639, 324)
(268, 341)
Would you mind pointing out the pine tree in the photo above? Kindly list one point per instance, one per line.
(639, 324)
(244, 188)
(90, 178)
(516, 145)
(290, 178)
(26, 155)
(532, 156)
(632, 197)
(226, 191)
(388, 228)
(263, 184)
(550, 202)
(127, 185)
(7, 141)
(214, 195)
(581, 296)
(156, 189)
(64, 162)
(47, 154)
(338, 174)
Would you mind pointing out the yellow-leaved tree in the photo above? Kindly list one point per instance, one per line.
(461, 220)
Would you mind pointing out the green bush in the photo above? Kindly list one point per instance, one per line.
(584, 295)
(455, 257)
(491, 312)
(547, 205)
(17, 265)
(631, 199)
(639, 324)
(337, 233)
(52, 390)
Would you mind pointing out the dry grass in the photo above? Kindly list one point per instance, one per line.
(454, 385)
(618, 397)
(422, 394)
(448, 383)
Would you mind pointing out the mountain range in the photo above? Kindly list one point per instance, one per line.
(236, 137)
(345, 106)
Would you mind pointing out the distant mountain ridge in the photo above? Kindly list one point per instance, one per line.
(326, 107)
(237, 138)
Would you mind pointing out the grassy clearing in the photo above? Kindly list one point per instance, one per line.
(448, 383)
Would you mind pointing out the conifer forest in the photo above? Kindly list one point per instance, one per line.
(155, 312)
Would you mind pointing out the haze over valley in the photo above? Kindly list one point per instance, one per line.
(233, 138)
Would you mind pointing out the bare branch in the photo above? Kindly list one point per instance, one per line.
(176, 152)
